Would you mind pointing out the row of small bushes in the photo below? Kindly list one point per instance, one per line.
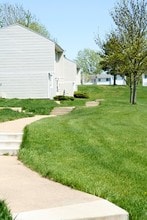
(81, 95)
(5, 213)
(63, 98)
(71, 98)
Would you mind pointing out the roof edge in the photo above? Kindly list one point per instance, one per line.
(29, 29)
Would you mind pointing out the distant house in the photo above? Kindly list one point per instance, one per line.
(105, 79)
(120, 80)
(32, 66)
(144, 79)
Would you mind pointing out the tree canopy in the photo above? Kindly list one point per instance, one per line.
(89, 61)
(111, 59)
(12, 14)
(125, 49)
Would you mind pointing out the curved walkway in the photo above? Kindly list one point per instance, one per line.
(33, 197)
(19, 124)
(25, 190)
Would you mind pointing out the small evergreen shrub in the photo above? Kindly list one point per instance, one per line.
(81, 95)
(5, 213)
(63, 97)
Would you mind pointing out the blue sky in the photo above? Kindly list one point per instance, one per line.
(74, 23)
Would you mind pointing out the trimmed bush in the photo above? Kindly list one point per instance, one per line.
(63, 97)
(5, 213)
(81, 95)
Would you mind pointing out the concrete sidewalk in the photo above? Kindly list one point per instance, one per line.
(19, 124)
(32, 197)
(25, 190)
(96, 210)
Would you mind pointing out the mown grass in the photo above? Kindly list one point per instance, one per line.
(5, 213)
(36, 106)
(32, 107)
(29, 107)
(8, 115)
(100, 150)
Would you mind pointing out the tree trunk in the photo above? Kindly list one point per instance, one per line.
(133, 91)
(134, 94)
(130, 93)
(114, 82)
(130, 83)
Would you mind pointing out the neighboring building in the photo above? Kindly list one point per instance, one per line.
(120, 80)
(106, 79)
(67, 75)
(103, 79)
(144, 79)
(32, 66)
(79, 76)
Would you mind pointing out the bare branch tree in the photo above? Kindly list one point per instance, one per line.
(12, 14)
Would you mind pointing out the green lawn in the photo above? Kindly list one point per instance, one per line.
(36, 106)
(29, 106)
(100, 150)
(5, 213)
(8, 115)
(32, 107)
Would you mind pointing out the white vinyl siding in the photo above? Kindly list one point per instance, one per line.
(19, 85)
(70, 70)
(70, 74)
(59, 63)
(26, 58)
(144, 79)
(78, 77)
(32, 66)
(59, 73)
(66, 76)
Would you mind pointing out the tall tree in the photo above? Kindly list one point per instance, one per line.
(128, 44)
(111, 59)
(11, 14)
(89, 62)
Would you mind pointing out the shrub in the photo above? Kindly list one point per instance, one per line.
(81, 95)
(63, 97)
(5, 213)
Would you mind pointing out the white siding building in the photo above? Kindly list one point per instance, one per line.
(32, 66)
(144, 79)
(106, 79)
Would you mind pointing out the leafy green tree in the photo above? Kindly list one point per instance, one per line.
(12, 14)
(125, 50)
(89, 62)
(39, 28)
(110, 55)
